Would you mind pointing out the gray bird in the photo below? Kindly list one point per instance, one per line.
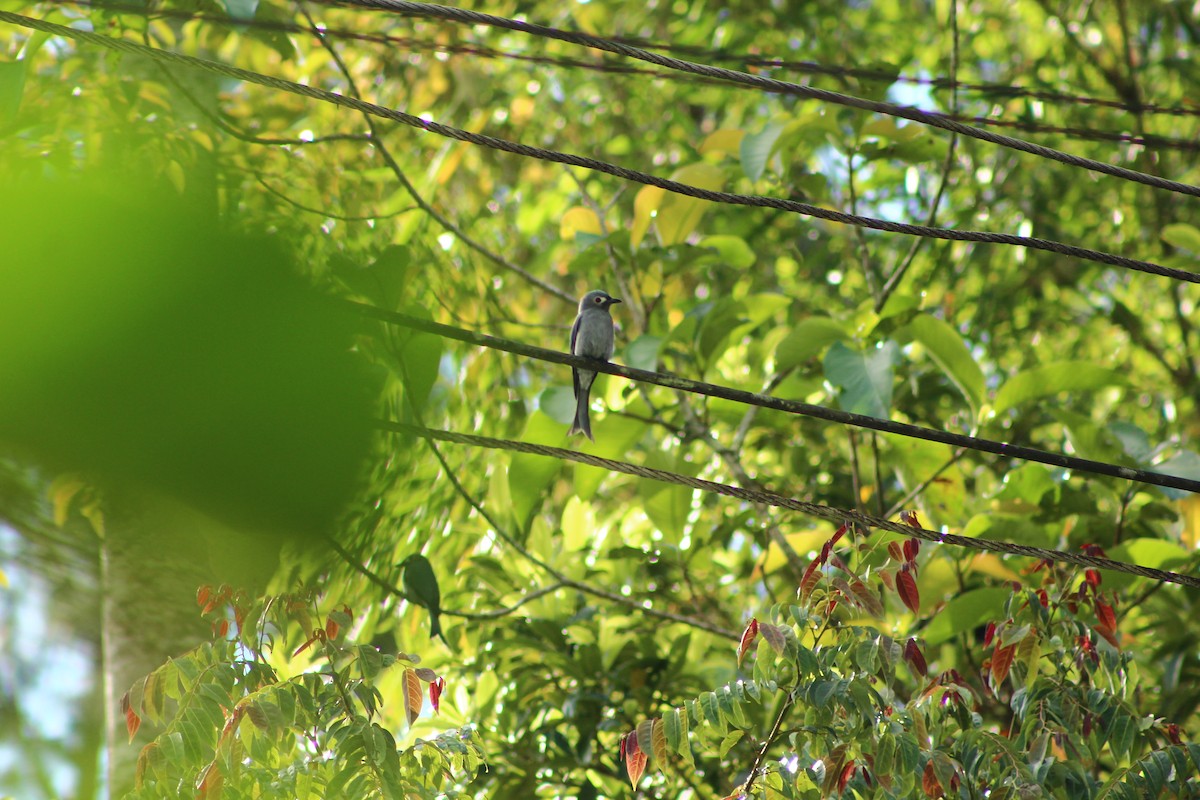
(591, 336)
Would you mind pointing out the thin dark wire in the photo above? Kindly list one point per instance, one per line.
(767, 84)
(754, 201)
(791, 503)
(989, 90)
(779, 404)
(614, 67)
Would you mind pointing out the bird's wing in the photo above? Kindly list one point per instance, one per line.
(575, 372)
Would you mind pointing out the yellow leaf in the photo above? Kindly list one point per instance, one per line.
(658, 743)
(724, 141)
(62, 490)
(579, 220)
(678, 215)
(413, 696)
(1190, 506)
(645, 206)
(991, 565)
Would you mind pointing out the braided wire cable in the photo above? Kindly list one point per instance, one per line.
(757, 201)
(780, 404)
(467, 16)
(830, 513)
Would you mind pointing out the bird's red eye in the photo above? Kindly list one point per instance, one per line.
(599, 299)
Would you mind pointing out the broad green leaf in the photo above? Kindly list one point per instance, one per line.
(864, 379)
(1089, 439)
(642, 353)
(1134, 441)
(1145, 552)
(757, 148)
(732, 250)
(529, 475)
(1185, 464)
(678, 215)
(1051, 379)
(808, 339)
(950, 353)
(1182, 236)
(964, 613)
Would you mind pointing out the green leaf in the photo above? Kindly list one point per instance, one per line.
(864, 378)
(1051, 379)
(673, 729)
(1184, 464)
(807, 340)
(642, 353)
(1182, 236)
(12, 88)
(1145, 552)
(965, 612)
(950, 353)
(529, 475)
(756, 149)
(732, 250)
(1088, 438)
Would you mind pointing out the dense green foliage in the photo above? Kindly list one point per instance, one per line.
(579, 606)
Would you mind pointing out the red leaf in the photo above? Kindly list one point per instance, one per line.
(839, 533)
(911, 548)
(331, 628)
(1092, 576)
(1002, 658)
(1043, 598)
(914, 656)
(906, 587)
(1104, 613)
(748, 637)
(847, 774)
(895, 551)
(989, 634)
(436, 688)
(809, 580)
(223, 629)
(909, 518)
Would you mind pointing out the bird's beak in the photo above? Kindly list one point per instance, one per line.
(614, 300)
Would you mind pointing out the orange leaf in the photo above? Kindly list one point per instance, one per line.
(635, 760)
(1002, 658)
(809, 580)
(132, 720)
(906, 587)
(331, 628)
(929, 781)
(414, 698)
(895, 551)
(748, 637)
(1106, 615)
(1108, 633)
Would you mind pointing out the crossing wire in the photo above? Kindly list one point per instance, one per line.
(835, 515)
(780, 404)
(469, 17)
(754, 201)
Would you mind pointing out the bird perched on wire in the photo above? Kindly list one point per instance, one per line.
(591, 336)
